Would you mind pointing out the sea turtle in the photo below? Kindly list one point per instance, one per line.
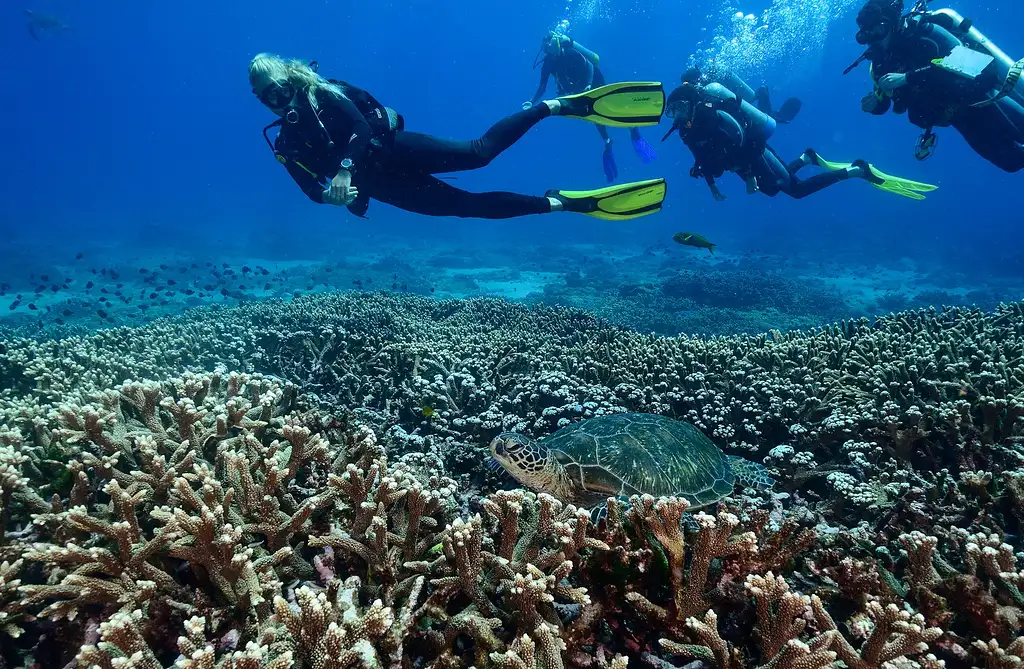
(625, 454)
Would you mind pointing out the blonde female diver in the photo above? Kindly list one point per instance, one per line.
(343, 147)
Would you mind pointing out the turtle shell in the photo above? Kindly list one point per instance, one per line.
(635, 454)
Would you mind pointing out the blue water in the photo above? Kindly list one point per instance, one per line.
(133, 138)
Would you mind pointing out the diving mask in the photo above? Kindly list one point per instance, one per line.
(874, 33)
(277, 94)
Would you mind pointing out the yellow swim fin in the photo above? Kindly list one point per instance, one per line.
(628, 104)
(615, 203)
(899, 185)
(878, 178)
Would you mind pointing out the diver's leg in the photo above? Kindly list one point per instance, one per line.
(425, 194)
(808, 157)
(416, 152)
(611, 170)
(993, 137)
(764, 100)
(769, 174)
(800, 188)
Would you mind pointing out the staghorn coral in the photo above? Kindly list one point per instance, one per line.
(909, 423)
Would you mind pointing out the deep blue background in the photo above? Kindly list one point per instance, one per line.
(137, 127)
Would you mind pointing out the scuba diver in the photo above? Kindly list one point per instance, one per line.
(575, 69)
(343, 147)
(938, 69)
(728, 134)
(759, 98)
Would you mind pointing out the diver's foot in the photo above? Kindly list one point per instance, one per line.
(569, 106)
(862, 170)
(810, 157)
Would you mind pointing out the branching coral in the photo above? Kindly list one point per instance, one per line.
(205, 501)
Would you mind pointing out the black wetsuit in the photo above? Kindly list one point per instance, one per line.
(397, 166)
(934, 97)
(722, 139)
(573, 73)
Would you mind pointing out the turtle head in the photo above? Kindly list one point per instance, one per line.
(524, 458)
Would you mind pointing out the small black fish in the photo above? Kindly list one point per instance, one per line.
(79, 255)
(89, 285)
(143, 270)
(32, 306)
(101, 313)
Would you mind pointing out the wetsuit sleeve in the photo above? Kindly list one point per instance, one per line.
(306, 181)
(345, 115)
(358, 147)
(545, 74)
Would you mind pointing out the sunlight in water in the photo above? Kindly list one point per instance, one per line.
(789, 37)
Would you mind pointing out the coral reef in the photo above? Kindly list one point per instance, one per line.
(328, 504)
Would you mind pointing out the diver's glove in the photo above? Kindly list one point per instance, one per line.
(340, 192)
(891, 82)
(869, 103)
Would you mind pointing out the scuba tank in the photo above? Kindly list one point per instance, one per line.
(964, 30)
(758, 127)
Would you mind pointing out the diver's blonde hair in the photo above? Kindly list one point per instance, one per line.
(266, 67)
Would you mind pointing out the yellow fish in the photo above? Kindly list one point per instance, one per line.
(693, 239)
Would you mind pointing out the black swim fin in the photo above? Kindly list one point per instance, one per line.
(788, 111)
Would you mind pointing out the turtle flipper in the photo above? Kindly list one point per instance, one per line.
(750, 474)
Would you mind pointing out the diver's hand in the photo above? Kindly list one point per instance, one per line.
(869, 103)
(717, 194)
(341, 192)
(891, 82)
(527, 105)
